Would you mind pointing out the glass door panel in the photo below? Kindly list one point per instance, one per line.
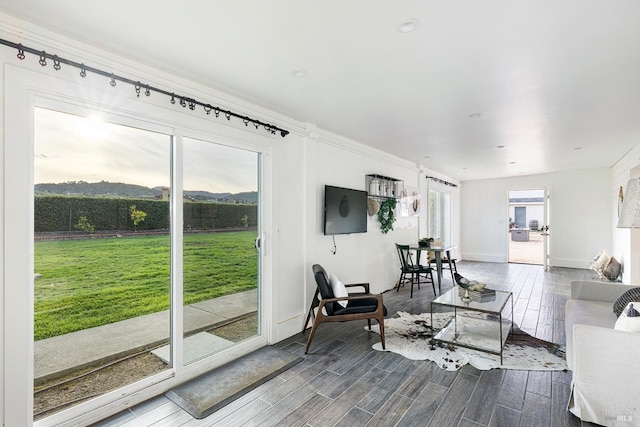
(220, 260)
(439, 225)
(101, 257)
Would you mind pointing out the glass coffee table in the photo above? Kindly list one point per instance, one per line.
(479, 323)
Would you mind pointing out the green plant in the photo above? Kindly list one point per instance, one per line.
(83, 224)
(136, 216)
(244, 221)
(386, 215)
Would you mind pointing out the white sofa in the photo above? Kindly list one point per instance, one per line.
(605, 388)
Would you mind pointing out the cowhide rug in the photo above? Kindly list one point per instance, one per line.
(409, 336)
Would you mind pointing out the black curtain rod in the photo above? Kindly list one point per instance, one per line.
(183, 100)
(441, 181)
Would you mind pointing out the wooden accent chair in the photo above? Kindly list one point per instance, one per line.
(360, 306)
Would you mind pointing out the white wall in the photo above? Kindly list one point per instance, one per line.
(580, 216)
(323, 159)
(366, 257)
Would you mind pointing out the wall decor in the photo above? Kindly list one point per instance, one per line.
(386, 215)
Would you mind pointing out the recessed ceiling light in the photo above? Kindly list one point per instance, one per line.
(500, 146)
(299, 73)
(512, 163)
(427, 157)
(577, 148)
(407, 26)
(464, 169)
(475, 116)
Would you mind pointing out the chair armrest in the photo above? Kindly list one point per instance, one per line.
(351, 298)
(598, 291)
(362, 285)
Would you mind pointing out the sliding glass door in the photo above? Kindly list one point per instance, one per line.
(220, 223)
(101, 257)
(439, 218)
(135, 228)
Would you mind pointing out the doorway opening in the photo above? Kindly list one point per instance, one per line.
(527, 226)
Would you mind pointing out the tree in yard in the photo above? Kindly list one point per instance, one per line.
(136, 216)
(83, 224)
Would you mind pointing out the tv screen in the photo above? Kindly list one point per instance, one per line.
(345, 210)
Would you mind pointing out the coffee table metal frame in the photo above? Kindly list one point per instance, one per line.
(495, 307)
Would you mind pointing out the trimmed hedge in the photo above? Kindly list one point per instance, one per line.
(60, 213)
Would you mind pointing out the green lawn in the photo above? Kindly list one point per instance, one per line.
(87, 283)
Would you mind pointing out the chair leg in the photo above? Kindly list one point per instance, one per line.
(314, 303)
(413, 275)
(311, 334)
(381, 322)
(433, 284)
(451, 270)
(306, 322)
(369, 322)
(400, 281)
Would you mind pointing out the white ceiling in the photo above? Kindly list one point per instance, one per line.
(557, 83)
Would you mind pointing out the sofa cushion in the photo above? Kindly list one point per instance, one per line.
(600, 262)
(612, 270)
(632, 295)
(339, 290)
(585, 312)
(626, 322)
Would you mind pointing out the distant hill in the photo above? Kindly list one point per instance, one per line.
(97, 189)
(131, 191)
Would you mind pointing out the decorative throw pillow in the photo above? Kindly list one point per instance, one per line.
(632, 295)
(600, 262)
(339, 290)
(626, 322)
(612, 270)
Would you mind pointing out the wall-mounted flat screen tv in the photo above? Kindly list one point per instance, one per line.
(345, 210)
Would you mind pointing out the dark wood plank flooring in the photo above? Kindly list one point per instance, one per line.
(343, 382)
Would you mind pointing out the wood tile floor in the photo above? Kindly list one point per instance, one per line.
(343, 382)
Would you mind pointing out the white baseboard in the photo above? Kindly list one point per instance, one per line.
(483, 257)
(288, 328)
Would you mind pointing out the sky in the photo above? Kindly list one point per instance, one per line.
(75, 148)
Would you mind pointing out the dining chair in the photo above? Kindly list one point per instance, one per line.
(414, 269)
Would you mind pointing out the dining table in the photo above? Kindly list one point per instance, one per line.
(437, 250)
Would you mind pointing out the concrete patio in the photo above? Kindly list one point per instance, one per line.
(66, 353)
(527, 252)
